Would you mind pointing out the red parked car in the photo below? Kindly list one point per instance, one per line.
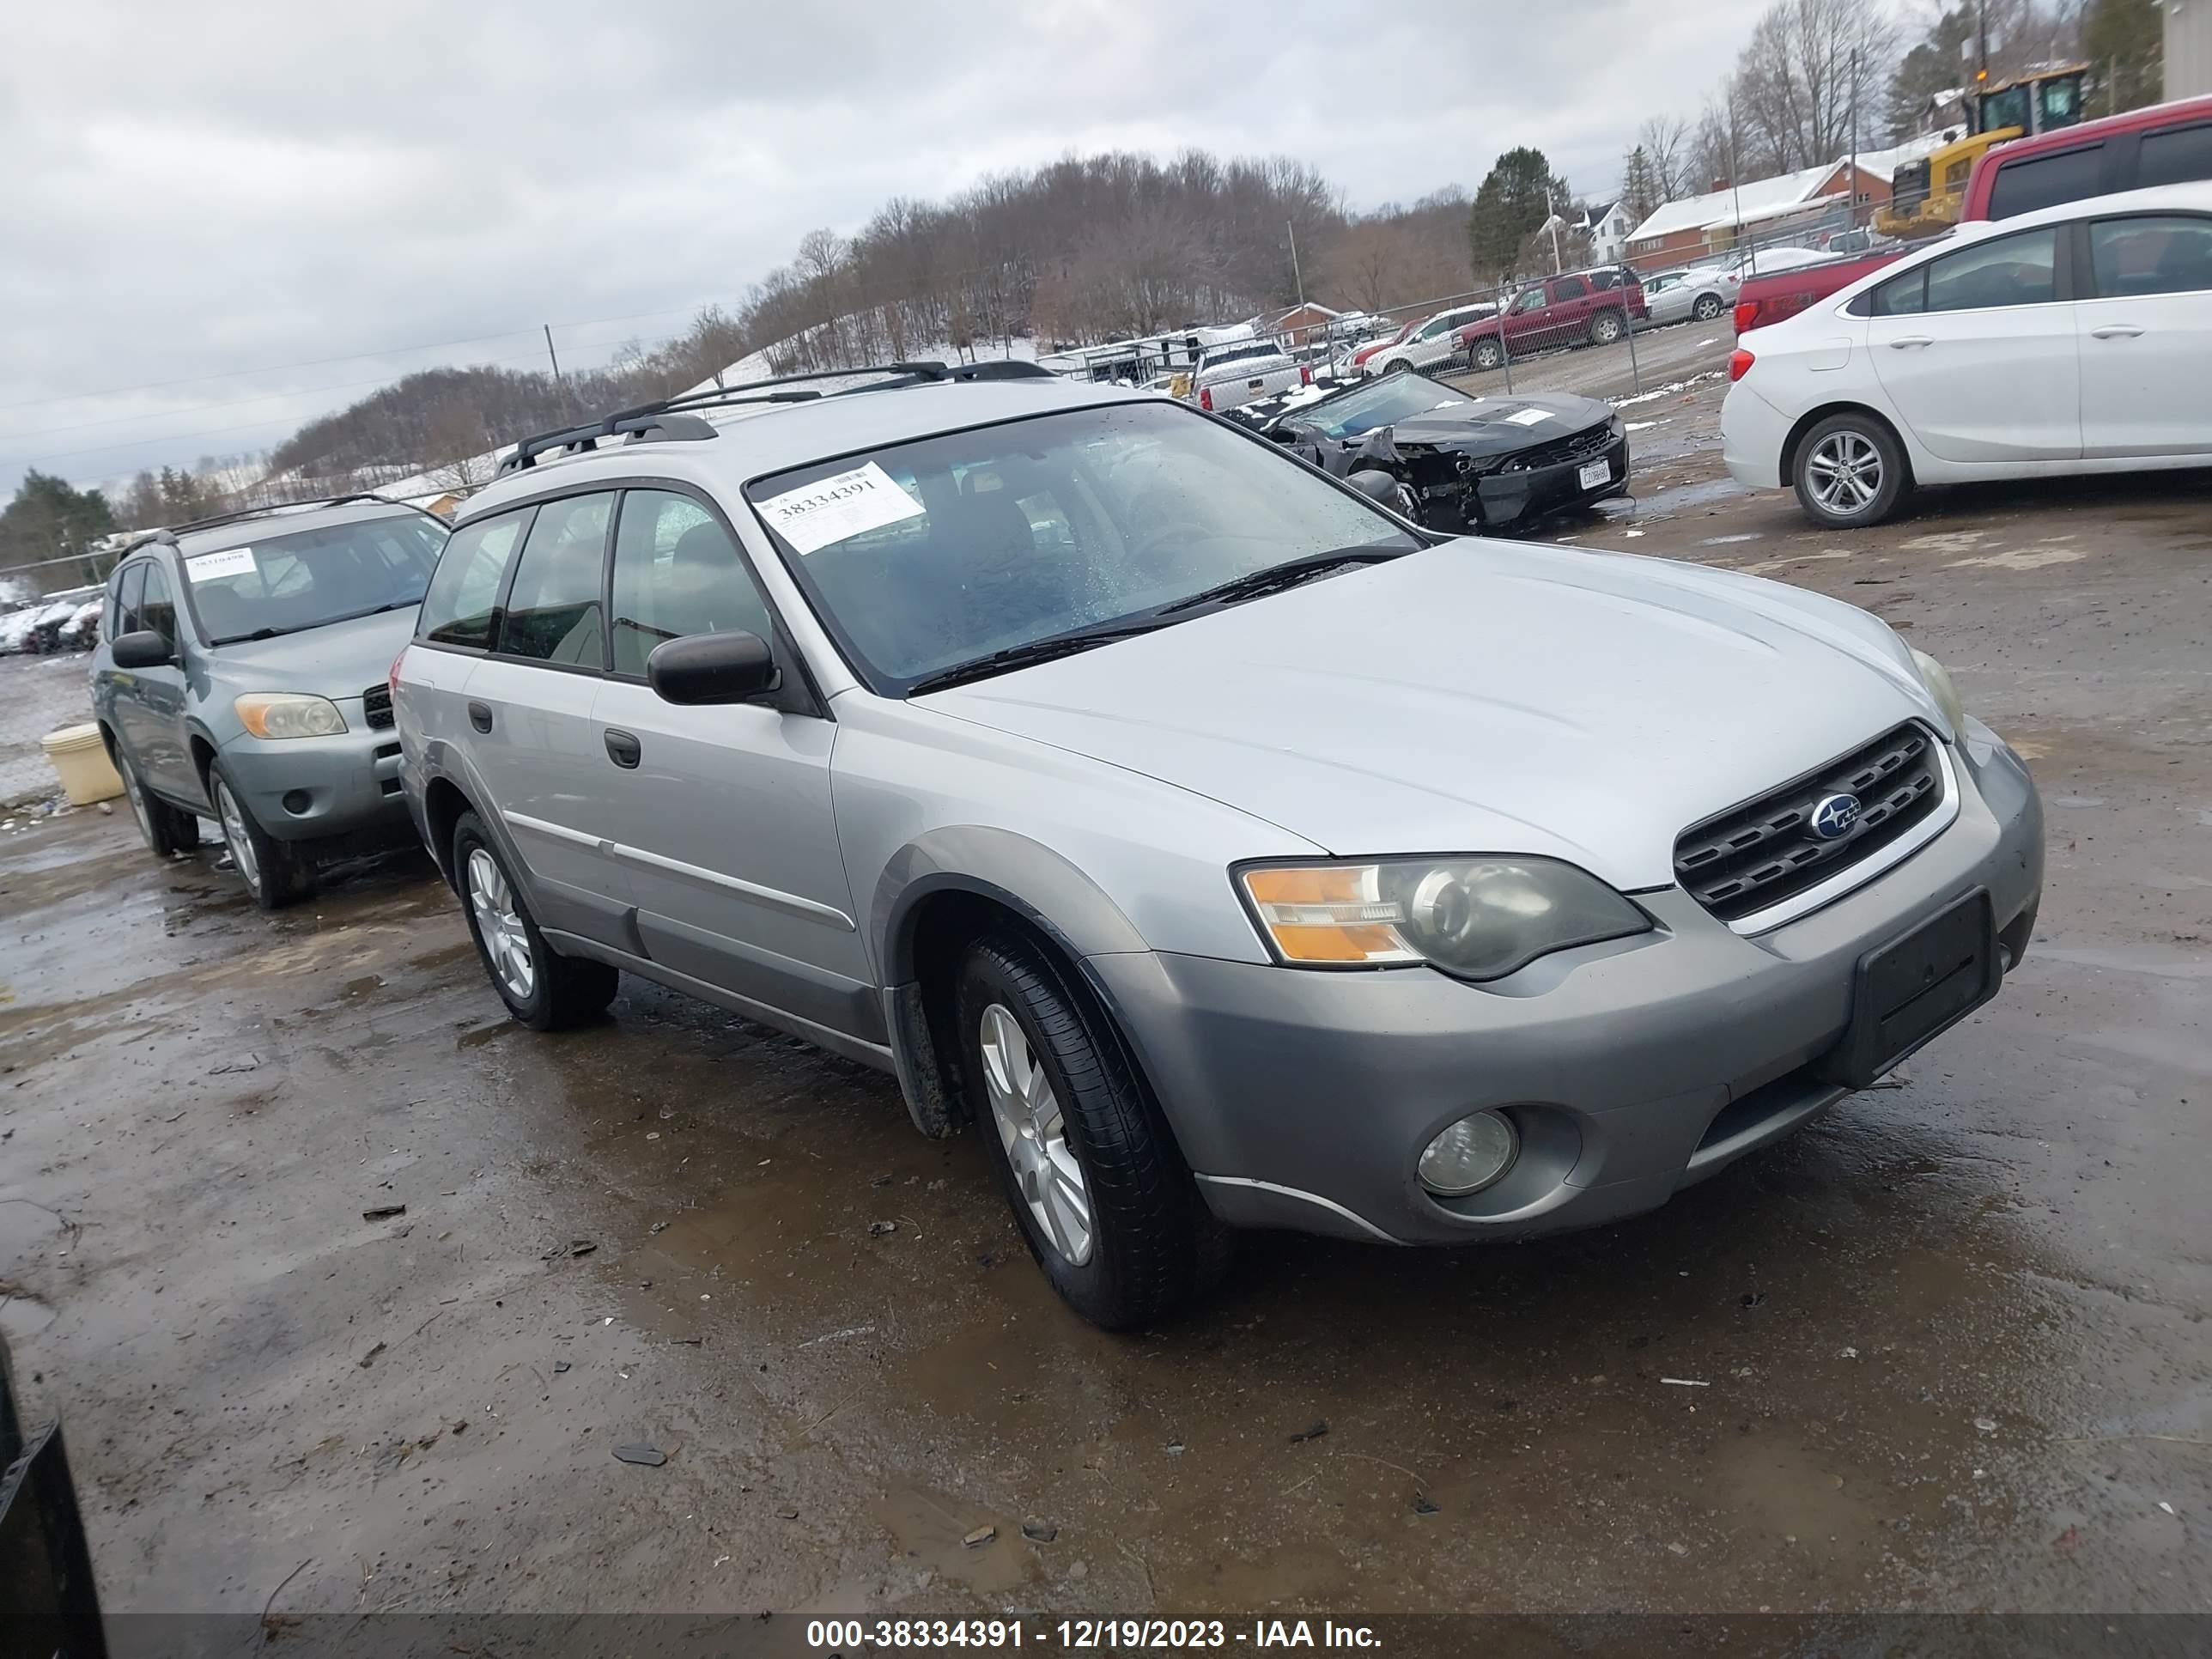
(2163, 144)
(1579, 306)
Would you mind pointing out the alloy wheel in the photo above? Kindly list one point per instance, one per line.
(236, 836)
(1033, 1129)
(499, 924)
(1844, 472)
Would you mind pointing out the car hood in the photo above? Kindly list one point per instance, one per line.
(1481, 696)
(339, 660)
(1494, 426)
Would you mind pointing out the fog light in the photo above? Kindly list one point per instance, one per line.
(1469, 1155)
(297, 800)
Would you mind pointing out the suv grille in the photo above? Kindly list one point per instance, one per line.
(1581, 446)
(376, 706)
(1761, 853)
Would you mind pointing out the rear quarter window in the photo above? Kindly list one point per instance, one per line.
(2041, 181)
(460, 604)
(2178, 155)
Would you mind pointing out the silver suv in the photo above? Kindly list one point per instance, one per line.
(243, 675)
(1232, 853)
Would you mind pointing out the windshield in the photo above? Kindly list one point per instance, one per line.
(282, 584)
(1378, 402)
(927, 555)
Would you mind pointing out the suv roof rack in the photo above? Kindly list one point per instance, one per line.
(167, 534)
(676, 420)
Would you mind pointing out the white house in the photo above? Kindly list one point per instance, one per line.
(1606, 224)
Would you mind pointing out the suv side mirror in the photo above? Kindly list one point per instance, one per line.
(143, 649)
(711, 668)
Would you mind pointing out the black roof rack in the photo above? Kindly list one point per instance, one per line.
(168, 533)
(676, 420)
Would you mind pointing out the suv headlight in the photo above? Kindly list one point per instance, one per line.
(1480, 916)
(1937, 679)
(289, 714)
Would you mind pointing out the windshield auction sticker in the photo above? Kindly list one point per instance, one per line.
(835, 509)
(214, 567)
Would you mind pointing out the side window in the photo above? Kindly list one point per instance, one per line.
(2162, 255)
(1902, 296)
(2179, 155)
(677, 573)
(459, 606)
(1570, 287)
(157, 608)
(127, 600)
(1532, 300)
(1606, 279)
(553, 609)
(2039, 181)
(2006, 270)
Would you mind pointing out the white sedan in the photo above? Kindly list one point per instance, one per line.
(2076, 338)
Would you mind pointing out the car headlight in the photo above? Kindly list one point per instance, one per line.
(1937, 679)
(289, 714)
(1478, 917)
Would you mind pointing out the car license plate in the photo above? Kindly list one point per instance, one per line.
(1595, 473)
(1917, 985)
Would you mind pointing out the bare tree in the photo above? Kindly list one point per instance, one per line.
(1809, 68)
(456, 432)
(1712, 153)
(1665, 141)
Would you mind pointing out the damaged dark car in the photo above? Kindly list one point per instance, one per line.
(1453, 463)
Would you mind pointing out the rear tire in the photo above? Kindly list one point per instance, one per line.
(544, 989)
(277, 872)
(1102, 1195)
(1707, 307)
(167, 829)
(1606, 328)
(1850, 471)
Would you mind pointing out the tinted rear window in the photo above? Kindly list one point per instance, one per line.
(2179, 155)
(2040, 181)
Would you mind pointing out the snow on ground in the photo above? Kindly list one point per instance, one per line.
(1673, 388)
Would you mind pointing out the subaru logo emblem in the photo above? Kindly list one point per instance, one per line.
(1834, 815)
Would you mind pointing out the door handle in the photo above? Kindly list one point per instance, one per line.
(2116, 331)
(480, 716)
(624, 749)
(1899, 344)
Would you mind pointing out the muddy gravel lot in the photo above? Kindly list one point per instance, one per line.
(348, 1285)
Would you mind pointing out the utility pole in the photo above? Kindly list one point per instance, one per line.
(1735, 176)
(552, 353)
(1296, 274)
(1552, 215)
(1851, 215)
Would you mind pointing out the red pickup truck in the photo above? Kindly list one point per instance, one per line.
(1577, 306)
(2163, 144)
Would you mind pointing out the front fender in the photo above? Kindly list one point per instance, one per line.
(1027, 876)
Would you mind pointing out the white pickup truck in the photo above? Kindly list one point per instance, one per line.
(1237, 371)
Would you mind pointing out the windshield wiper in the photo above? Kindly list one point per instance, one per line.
(327, 621)
(1257, 584)
(1036, 651)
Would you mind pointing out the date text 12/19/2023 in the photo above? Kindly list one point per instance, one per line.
(991, 1635)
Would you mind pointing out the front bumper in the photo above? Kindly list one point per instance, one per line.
(315, 788)
(1499, 499)
(1632, 1069)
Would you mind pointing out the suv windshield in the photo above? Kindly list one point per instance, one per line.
(1378, 402)
(282, 584)
(927, 556)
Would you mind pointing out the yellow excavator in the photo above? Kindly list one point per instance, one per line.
(1925, 196)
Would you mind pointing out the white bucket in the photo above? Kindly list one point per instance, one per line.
(79, 759)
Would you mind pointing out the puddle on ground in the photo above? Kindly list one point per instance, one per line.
(929, 1530)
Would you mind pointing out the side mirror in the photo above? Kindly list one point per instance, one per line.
(712, 668)
(141, 649)
(1377, 486)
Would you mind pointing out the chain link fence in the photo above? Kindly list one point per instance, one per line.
(38, 695)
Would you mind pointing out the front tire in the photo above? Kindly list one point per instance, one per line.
(275, 873)
(1397, 366)
(1707, 307)
(544, 989)
(1487, 355)
(167, 829)
(1102, 1196)
(1850, 472)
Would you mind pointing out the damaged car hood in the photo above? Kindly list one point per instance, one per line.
(1481, 696)
(1497, 426)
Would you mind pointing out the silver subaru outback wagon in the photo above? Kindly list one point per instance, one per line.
(1228, 851)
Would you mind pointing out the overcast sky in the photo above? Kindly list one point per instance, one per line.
(221, 219)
